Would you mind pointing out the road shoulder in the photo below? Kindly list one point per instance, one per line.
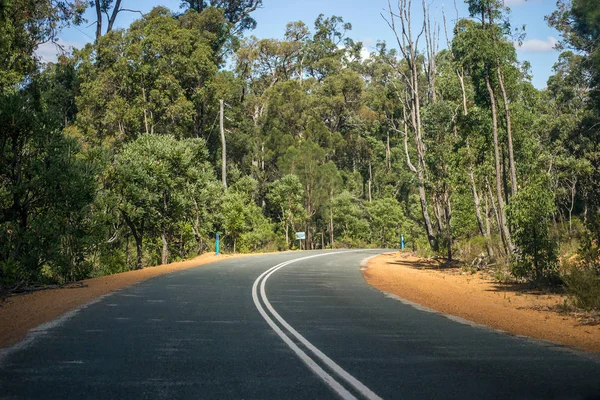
(480, 300)
(21, 313)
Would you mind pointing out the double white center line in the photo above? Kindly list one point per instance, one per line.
(314, 358)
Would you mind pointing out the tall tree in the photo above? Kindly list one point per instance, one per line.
(408, 43)
(237, 12)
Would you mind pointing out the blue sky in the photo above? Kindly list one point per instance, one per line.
(367, 24)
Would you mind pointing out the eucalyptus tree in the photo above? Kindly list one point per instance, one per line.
(25, 25)
(320, 179)
(287, 195)
(349, 217)
(237, 12)
(411, 73)
(150, 184)
(154, 77)
(46, 189)
(579, 22)
(385, 218)
(473, 45)
(107, 11)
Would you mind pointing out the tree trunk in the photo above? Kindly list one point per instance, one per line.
(573, 194)
(461, 79)
(511, 156)
(502, 222)
(98, 21)
(127, 258)
(488, 228)
(494, 207)
(388, 152)
(331, 239)
(145, 112)
(140, 253)
(223, 148)
(138, 235)
(113, 16)
(477, 201)
(422, 195)
(448, 216)
(165, 247)
(408, 47)
(370, 182)
(287, 235)
(437, 212)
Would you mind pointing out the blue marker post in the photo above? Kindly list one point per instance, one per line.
(402, 242)
(217, 244)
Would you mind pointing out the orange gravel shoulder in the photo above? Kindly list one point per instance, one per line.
(20, 313)
(510, 308)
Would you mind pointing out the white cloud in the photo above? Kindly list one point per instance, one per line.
(364, 54)
(537, 45)
(368, 46)
(48, 52)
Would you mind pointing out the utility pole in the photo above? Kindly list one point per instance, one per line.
(370, 182)
(224, 148)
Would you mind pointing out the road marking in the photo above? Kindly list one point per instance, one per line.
(327, 378)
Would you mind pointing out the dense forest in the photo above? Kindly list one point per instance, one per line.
(138, 148)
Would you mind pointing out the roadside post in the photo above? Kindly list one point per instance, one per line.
(300, 236)
(217, 243)
(402, 241)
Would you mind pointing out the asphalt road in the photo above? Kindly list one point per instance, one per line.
(262, 328)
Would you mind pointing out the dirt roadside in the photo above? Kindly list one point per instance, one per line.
(19, 314)
(506, 307)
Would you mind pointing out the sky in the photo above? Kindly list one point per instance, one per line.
(368, 26)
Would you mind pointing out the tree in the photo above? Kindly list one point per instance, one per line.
(45, 193)
(478, 46)
(286, 194)
(530, 213)
(148, 183)
(237, 12)
(110, 9)
(409, 48)
(24, 25)
(579, 22)
(385, 217)
(155, 78)
(242, 219)
(349, 218)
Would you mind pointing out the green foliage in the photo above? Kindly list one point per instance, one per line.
(349, 219)
(243, 222)
(286, 195)
(154, 180)
(584, 285)
(109, 158)
(530, 214)
(154, 77)
(582, 277)
(386, 220)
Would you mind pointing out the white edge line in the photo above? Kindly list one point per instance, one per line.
(359, 386)
(540, 342)
(42, 330)
(365, 262)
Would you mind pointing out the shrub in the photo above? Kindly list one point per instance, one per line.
(583, 283)
(582, 276)
(530, 213)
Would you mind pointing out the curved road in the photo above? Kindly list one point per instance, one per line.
(293, 326)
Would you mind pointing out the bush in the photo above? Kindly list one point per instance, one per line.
(530, 213)
(582, 276)
(583, 283)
